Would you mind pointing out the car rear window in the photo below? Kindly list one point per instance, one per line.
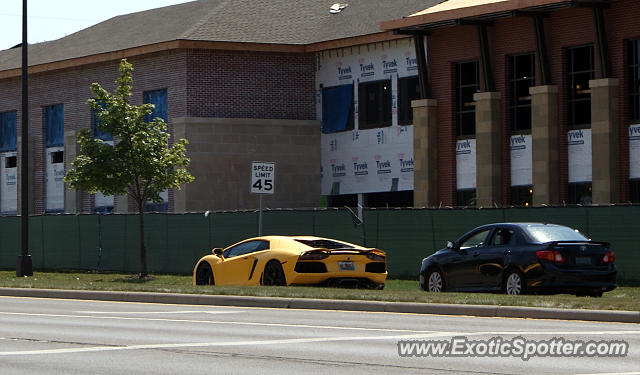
(547, 233)
(326, 244)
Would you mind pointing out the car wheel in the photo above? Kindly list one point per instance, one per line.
(273, 274)
(514, 283)
(435, 281)
(204, 276)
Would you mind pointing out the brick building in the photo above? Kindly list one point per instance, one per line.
(527, 102)
(237, 79)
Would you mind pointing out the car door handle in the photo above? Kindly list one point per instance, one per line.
(507, 252)
(475, 254)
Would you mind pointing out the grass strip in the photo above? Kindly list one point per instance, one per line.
(622, 298)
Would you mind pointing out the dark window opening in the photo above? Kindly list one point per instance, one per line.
(53, 118)
(466, 85)
(633, 63)
(522, 77)
(8, 135)
(156, 207)
(378, 200)
(580, 193)
(11, 162)
(337, 109)
(408, 90)
(103, 209)
(580, 70)
(159, 99)
(466, 197)
(374, 101)
(345, 200)
(57, 157)
(521, 196)
(634, 187)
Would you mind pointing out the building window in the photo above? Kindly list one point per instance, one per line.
(8, 135)
(54, 125)
(522, 77)
(580, 193)
(466, 197)
(633, 63)
(159, 99)
(580, 71)
(389, 199)
(408, 90)
(466, 85)
(337, 109)
(98, 133)
(634, 187)
(374, 101)
(521, 196)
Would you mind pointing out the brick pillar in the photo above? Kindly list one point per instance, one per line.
(604, 141)
(32, 176)
(544, 135)
(72, 198)
(488, 149)
(425, 153)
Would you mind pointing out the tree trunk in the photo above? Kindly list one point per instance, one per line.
(143, 249)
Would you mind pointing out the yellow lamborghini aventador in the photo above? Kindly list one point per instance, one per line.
(293, 260)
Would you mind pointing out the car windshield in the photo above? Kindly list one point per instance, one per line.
(548, 233)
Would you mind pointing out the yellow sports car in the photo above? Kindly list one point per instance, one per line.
(293, 260)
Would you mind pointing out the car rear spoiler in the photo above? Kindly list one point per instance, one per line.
(577, 242)
(348, 250)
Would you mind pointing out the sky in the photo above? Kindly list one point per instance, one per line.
(50, 20)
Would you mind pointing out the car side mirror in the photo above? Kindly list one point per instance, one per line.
(450, 245)
(217, 251)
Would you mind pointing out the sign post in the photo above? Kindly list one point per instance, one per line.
(263, 181)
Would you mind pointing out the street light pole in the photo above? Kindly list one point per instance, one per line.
(25, 266)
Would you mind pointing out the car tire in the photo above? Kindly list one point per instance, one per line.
(273, 274)
(513, 283)
(204, 275)
(434, 281)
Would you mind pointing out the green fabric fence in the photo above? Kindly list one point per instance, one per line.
(176, 241)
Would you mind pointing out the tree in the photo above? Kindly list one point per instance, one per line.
(139, 164)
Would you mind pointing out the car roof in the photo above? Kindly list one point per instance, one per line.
(521, 224)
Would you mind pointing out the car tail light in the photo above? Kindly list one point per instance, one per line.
(609, 257)
(551, 256)
(313, 255)
(375, 257)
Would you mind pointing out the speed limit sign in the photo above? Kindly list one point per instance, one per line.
(263, 177)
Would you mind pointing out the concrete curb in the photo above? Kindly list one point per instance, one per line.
(327, 304)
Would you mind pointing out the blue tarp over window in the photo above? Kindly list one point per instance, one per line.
(54, 125)
(336, 107)
(159, 99)
(8, 136)
(97, 132)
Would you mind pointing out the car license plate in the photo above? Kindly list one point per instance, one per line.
(346, 266)
(584, 261)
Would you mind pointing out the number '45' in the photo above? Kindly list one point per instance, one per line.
(268, 185)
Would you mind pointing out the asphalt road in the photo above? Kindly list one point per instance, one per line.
(48, 336)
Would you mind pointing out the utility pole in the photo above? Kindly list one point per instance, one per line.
(25, 265)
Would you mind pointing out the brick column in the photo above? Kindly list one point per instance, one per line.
(72, 198)
(544, 135)
(488, 149)
(425, 153)
(604, 141)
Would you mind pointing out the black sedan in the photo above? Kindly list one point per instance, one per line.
(519, 258)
